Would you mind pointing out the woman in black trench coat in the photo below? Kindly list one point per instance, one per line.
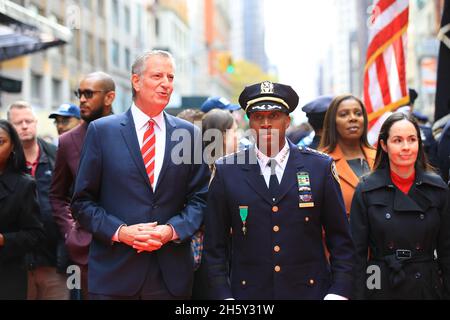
(20, 228)
(400, 221)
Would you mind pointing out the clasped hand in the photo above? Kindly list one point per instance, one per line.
(145, 236)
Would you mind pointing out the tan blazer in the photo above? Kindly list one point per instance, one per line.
(347, 177)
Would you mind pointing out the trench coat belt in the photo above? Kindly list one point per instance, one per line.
(396, 261)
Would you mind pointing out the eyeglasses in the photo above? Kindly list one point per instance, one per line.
(87, 93)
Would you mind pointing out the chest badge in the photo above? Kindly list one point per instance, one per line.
(243, 212)
(304, 190)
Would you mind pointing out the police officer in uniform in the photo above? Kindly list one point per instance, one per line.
(271, 201)
(315, 111)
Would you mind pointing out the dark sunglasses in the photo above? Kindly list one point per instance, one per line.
(87, 93)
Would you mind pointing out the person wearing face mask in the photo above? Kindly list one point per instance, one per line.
(400, 220)
(344, 138)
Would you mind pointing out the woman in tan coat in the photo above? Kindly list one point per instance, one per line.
(344, 138)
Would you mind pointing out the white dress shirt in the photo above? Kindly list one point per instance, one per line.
(281, 160)
(141, 124)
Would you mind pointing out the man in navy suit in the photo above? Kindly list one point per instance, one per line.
(141, 203)
(272, 202)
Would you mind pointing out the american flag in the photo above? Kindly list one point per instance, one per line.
(385, 87)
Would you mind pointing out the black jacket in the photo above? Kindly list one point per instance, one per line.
(50, 252)
(403, 233)
(21, 229)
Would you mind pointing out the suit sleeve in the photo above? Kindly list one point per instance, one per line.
(85, 202)
(217, 239)
(188, 221)
(359, 226)
(30, 232)
(62, 181)
(337, 235)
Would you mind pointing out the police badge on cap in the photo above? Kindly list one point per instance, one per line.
(268, 96)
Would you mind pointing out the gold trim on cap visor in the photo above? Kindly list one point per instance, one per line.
(267, 99)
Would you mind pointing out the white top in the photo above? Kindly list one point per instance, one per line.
(141, 124)
(281, 160)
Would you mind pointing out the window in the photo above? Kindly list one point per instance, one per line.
(156, 27)
(85, 47)
(127, 58)
(115, 12)
(127, 19)
(102, 54)
(101, 8)
(36, 86)
(115, 53)
(56, 91)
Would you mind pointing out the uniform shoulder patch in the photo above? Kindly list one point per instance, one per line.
(334, 171)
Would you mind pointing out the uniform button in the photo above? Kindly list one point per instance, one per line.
(277, 268)
(422, 216)
(276, 248)
(274, 209)
(276, 228)
(418, 275)
(311, 282)
(244, 282)
(306, 219)
(388, 216)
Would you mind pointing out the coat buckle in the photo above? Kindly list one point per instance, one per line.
(403, 254)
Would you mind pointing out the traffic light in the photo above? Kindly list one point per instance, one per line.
(225, 62)
(230, 65)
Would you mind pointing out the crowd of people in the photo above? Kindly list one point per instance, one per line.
(152, 206)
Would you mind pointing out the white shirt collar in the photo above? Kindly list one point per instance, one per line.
(141, 119)
(280, 158)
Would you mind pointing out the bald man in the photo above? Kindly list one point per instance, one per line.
(96, 94)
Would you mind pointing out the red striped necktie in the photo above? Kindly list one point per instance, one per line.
(148, 151)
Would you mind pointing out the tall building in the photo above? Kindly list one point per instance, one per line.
(172, 33)
(248, 32)
(423, 50)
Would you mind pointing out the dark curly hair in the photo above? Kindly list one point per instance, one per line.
(16, 161)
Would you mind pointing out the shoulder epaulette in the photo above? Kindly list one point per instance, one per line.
(313, 151)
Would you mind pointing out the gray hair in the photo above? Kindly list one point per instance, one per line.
(139, 64)
(20, 104)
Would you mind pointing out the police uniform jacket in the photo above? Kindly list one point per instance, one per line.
(402, 233)
(281, 256)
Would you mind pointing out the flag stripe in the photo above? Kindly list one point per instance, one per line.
(383, 79)
(385, 87)
(387, 33)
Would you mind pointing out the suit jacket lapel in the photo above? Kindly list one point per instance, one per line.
(254, 177)
(170, 127)
(343, 168)
(129, 135)
(78, 137)
(293, 166)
